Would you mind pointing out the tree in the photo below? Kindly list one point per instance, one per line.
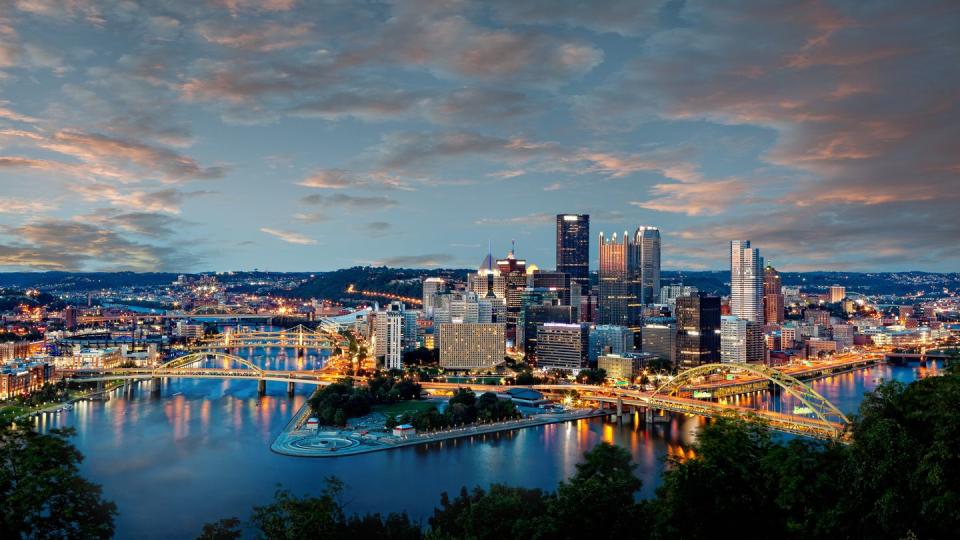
(42, 492)
(500, 512)
(592, 376)
(225, 529)
(598, 501)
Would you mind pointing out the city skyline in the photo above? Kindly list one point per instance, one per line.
(292, 136)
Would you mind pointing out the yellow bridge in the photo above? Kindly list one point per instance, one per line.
(298, 337)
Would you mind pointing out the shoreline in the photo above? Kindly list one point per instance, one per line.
(332, 443)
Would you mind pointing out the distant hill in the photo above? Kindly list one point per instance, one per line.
(78, 281)
(399, 281)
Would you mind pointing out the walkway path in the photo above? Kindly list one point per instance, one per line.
(300, 442)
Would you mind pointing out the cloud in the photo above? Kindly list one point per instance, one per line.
(529, 219)
(340, 200)
(10, 205)
(430, 260)
(289, 236)
(166, 200)
(341, 179)
(627, 17)
(378, 228)
(369, 104)
(53, 244)
(694, 199)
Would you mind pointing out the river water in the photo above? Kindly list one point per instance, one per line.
(199, 451)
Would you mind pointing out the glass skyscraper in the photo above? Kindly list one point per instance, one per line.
(573, 247)
(746, 281)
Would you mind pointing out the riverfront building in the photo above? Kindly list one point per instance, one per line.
(562, 346)
(606, 338)
(472, 346)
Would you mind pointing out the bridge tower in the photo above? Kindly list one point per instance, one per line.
(261, 387)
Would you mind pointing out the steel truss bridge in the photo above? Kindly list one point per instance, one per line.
(824, 420)
(298, 337)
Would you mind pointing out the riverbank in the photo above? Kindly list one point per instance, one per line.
(299, 442)
(65, 404)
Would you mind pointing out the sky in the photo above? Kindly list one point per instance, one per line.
(286, 135)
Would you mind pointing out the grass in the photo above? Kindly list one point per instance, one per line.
(401, 407)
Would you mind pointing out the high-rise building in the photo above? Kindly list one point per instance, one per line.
(70, 317)
(698, 330)
(555, 281)
(562, 346)
(471, 346)
(746, 281)
(648, 245)
(573, 247)
(606, 338)
(741, 341)
(837, 293)
(772, 296)
(670, 293)
(388, 335)
(660, 340)
(619, 290)
(539, 305)
(431, 287)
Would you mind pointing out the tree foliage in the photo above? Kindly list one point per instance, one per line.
(43, 495)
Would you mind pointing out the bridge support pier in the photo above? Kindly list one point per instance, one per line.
(155, 385)
(301, 352)
(619, 408)
(648, 415)
(261, 387)
(290, 388)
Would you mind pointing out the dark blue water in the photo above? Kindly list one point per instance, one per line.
(199, 451)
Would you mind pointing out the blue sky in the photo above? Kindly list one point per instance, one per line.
(293, 135)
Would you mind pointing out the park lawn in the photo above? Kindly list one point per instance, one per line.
(400, 407)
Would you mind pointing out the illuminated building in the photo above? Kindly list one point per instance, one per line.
(562, 346)
(698, 330)
(741, 341)
(606, 338)
(472, 346)
(670, 293)
(555, 281)
(431, 287)
(618, 296)
(836, 294)
(772, 296)
(573, 247)
(388, 340)
(539, 305)
(746, 281)
(23, 378)
(648, 246)
(621, 367)
(660, 340)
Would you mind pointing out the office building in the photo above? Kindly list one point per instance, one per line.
(573, 247)
(606, 338)
(746, 281)
(619, 289)
(670, 293)
(836, 294)
(472, 346)
(562, 346)
(559, 282)
(698, 330)
(741, 341)
(621, 367)
(539, 305)
(772, 296)
(648, 246)
(660, 340)
(432, 286)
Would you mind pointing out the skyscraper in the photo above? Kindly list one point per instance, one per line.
(746, 281)
(698, 330)
(431, 287)
(573, 247)
(741, 341)
(648, 245)
(619, 292)
(772, 296)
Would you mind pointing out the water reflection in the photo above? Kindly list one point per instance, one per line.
(200, 450)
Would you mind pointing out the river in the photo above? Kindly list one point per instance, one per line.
(199, 451)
